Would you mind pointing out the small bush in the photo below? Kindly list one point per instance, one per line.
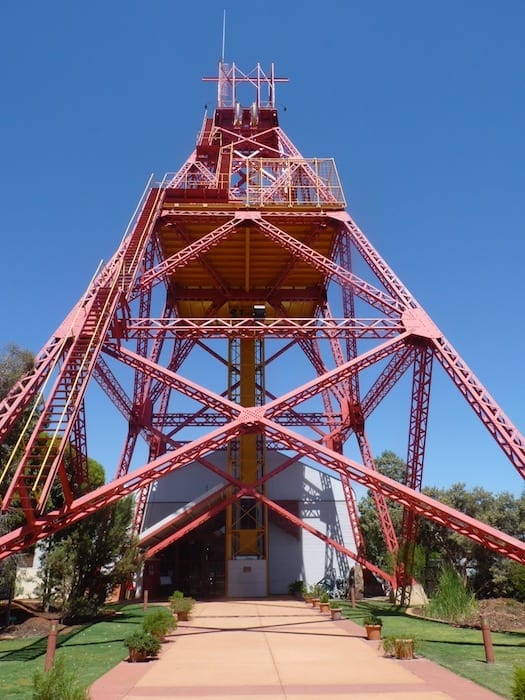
(296, 587)
(159, 622)
(180, 603)
(57, 684)
(518, 687)
(389, 645)
(80, 610)
(143, 641)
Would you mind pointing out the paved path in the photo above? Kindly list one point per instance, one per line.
(274, 649)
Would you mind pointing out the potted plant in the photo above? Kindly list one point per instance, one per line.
(315, 592)
(296, 588)
(141, 644)
(373, 625)
(399, 648)
(324, 602)
(180, 605)
(159, 622)
(336, 611)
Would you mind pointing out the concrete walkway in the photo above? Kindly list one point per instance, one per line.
(270, 649)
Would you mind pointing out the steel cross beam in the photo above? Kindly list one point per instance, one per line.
(268, 328)
(250, 420)
(385, 519)
(193, 251)
(420, 503)
(331, 378)
(199, 520)
(345, 258)
(27, 389)
(174, 381)
(511, 441)
(44, 525)
(376, 263)
(328, 540)
(373, 296)
(419, 411)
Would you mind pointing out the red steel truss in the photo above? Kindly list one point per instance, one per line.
(248, 240)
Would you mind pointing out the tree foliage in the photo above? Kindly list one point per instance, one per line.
(392, 466)
(487, 573)
(14, 363)
(83, 563)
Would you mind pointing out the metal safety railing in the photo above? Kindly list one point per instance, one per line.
(267, 182)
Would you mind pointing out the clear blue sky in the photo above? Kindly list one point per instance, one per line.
(421, 104)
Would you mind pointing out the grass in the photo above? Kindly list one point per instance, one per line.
(459, 649)
(452, 601)
(89, 650)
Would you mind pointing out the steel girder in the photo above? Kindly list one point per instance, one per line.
(310, 248)
(252, 420)
(249, 420)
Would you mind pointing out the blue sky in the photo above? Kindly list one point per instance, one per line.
(421, 104)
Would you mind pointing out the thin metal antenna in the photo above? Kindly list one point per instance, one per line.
(223, 34)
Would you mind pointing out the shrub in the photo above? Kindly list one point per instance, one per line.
(178, 603)
(159, 622)
(518, 687)
(296, 587)
(57, 684)
(143, 641)
(452, 600)
(80, 610)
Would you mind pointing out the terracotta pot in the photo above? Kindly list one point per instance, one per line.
(324, 607)
(373, 631)
(315, 602)
(404, 648)
(182, 615)
(308, 599)
(336, 613)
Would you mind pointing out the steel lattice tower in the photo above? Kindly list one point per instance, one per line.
(246, 255)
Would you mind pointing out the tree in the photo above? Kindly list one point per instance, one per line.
(488, 574)
(14, 363)
(389, 464)
(82, 564)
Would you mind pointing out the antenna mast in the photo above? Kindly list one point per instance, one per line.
(223, 34)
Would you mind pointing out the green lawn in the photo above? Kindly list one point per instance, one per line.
(90, 651)
(461, 650)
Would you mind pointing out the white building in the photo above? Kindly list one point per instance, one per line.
(197, 563)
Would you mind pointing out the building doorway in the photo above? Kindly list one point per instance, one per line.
(196, 564)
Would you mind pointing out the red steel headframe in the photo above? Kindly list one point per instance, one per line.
(246, 223)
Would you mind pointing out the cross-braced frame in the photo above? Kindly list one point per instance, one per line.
(249, 245)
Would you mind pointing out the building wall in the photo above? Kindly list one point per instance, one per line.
(294, 553)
